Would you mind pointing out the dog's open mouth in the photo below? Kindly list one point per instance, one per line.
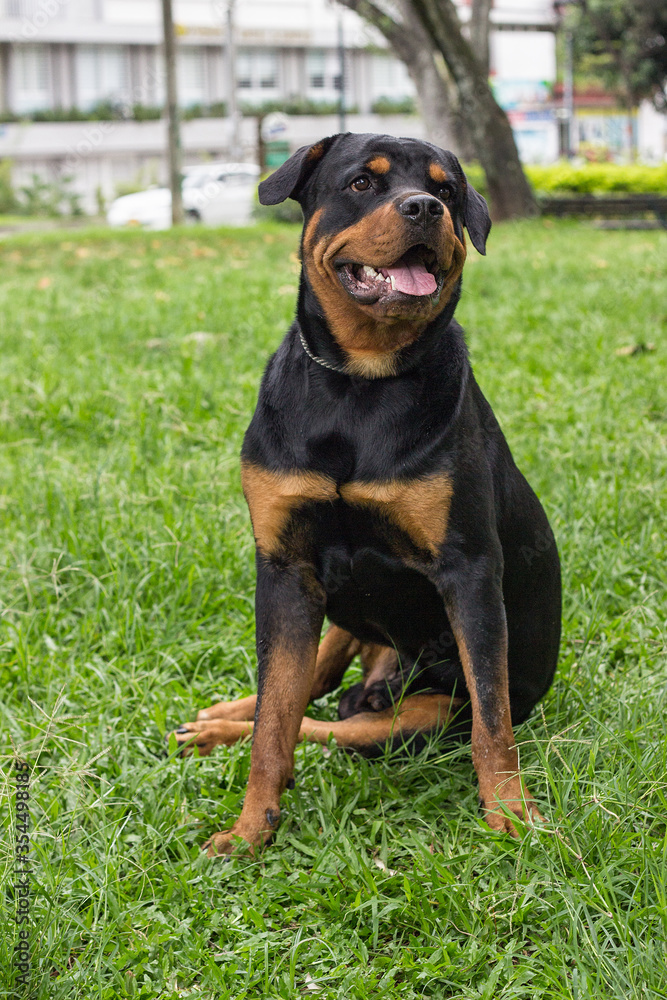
(416, 273)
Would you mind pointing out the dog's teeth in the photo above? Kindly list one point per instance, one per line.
(369, 271)
(392, 281)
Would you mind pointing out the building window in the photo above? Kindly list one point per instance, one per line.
(32, 78)
(390, 78)
(21, 8)
(244, 71)
(191, 77)
(316, 68)
(41, 10)
(268, 70)
(323, 74)
(257, 69)
(101, 73)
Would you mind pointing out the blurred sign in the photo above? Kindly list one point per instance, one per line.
(276, 154)
(274, 126)
(274, 37)
(520, 95)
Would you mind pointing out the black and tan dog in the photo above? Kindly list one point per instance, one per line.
(383, 495)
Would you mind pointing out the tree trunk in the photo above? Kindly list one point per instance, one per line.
(173, 122)
(436, 93)
(480, 25)
(454, 93)
(490, 131)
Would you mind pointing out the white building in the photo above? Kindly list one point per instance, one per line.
(76, 53)
(63, 54)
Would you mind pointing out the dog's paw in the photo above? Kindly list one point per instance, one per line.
(225, 844)
(206, 735)
(244, 838)
(500, 815)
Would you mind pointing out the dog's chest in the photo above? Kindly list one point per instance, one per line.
(289, 509)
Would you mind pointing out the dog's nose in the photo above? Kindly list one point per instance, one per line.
(421, 208)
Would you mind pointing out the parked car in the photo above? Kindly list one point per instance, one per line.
(217, 194)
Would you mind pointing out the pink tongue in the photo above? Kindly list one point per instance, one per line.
(413, 279)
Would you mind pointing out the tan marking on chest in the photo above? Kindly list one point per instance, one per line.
(371, 364)
(272, 497)
(419, 507)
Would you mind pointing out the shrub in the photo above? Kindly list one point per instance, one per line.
(103, 111)
(8, 201)
(295, 105)
(476, 177)
(598, 178)
(218, 109)
(589, 178)
(394, 106)
(145, 113)
(115, 111)
(54, 198)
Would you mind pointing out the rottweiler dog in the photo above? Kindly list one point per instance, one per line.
(383, 495)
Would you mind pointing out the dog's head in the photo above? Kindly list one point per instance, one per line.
(383, 245)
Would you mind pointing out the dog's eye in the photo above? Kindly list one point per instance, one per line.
(446, 192)
(360, 183)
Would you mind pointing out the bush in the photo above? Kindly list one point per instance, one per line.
(476, 177)
(145, 113)
(590, 178)
(392, 106)
(217, 110)
(8, 201)
(115, 111)
(598, 178)
(53, 198)
(103, 111)
(295, 105)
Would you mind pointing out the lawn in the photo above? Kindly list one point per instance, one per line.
(130, 365)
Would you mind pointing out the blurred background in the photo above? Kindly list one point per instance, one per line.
(83, 87)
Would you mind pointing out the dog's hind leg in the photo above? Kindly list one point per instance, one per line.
(367, 732)
(337, 650)
(238, 711)
(371, 732)
(382, 684)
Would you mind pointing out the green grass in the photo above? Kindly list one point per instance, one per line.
(127, 587)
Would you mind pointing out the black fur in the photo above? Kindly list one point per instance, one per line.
(499, 558)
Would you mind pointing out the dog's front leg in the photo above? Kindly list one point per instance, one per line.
(474, 604)
(289, 610)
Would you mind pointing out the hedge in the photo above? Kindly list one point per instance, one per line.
(590, 178)
(598, 178)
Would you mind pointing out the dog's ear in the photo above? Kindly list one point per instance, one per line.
(474, 212)
(476, 218)
(289, 179)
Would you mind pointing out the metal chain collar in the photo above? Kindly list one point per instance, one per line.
(320, 361)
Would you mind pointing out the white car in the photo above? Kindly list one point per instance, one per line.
(217, 194)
